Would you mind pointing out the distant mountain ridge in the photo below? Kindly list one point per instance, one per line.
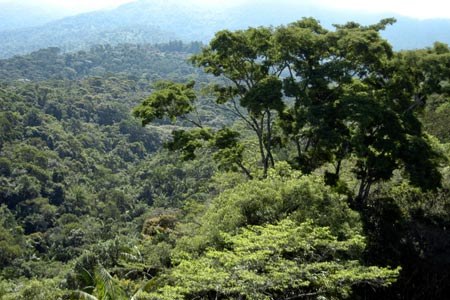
(156, 21)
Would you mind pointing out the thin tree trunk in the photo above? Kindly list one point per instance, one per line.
(338, 167)
(364, 190)
(259, 129)
(245, 170)
(269, 139)
(299, 147)
(264, 155)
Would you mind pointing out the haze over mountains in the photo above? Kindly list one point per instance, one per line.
(15, 15)
(156, 21)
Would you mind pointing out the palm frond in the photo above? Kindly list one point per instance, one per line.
(106, 287)
(80, 295)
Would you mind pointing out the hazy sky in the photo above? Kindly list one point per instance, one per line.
(75, 6)
(414, 8)
(421, 9)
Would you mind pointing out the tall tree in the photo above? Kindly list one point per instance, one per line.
(335, 95)
(252, 81)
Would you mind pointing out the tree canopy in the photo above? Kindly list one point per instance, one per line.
(322, 96)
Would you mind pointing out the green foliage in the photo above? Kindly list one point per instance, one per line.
(106, 288)
(230, 151)
(435, 63)
(33, 289)
(165, 181)
(350, 97)
(275, 261)
(141, 61)
(436, 119)
(259, 202)
(187, 142)
(168, 100)
(70, 165)
(12, 242)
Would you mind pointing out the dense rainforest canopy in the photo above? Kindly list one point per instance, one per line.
(289, 162)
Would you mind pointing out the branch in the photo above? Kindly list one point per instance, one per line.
(301, 296)
(245, 170)
(198, 124)
(240, 114)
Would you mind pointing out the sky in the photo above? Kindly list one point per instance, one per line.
(421, 9)
(74, 6)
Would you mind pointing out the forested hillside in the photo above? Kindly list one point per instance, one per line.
(139, 61)
(289, 162)
(77, 171)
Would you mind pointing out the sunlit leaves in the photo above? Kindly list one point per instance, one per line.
(276, 261)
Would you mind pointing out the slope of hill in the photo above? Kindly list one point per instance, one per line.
(136, 60)
(76, 33)
(140, 22)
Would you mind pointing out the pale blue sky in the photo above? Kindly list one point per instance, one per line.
(413, 8)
